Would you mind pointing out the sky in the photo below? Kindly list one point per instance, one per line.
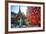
(15, 9)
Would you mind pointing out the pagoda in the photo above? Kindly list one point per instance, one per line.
(20, 19)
